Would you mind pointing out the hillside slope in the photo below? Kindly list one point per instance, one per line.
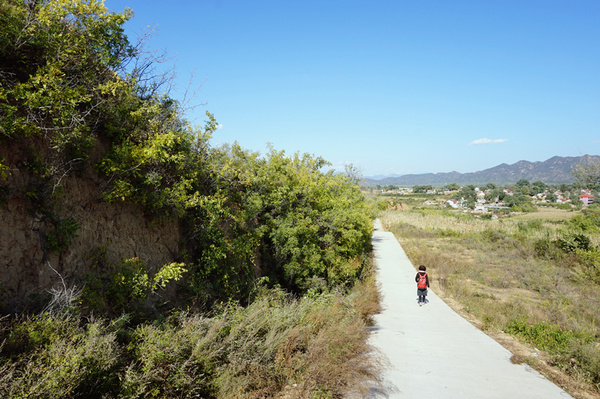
(555, 170)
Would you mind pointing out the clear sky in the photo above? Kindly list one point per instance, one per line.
(391, 86)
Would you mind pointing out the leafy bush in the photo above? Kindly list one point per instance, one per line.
(544, 336)
(589, 265)
(589, 222)
(124, 287)
(572, 242)
(60, 238)
(55, 357)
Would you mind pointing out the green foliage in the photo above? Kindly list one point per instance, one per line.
(124, 287)
(572, 242)
(245, 216)
(588, 359)
(589, 222)
(422, 189)
(589, 265)
(54, 357)
(520, 203)
(546, 248)
(538, 187)
(495, 236)
(530, 226)
(313, 220)
(160, 165)
(277, 216)
(56, 55)
(59, 239)
(468, 193)
(542, 335)
(551, 198)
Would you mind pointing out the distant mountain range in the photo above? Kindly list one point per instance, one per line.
(555, 170)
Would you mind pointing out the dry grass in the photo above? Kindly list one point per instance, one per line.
(546, 223)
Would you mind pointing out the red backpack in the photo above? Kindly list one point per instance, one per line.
(422, 284)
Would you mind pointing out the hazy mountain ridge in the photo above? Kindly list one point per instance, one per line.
(555, 170)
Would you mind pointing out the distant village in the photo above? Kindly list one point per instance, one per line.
(491, 198)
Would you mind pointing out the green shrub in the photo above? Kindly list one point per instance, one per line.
(572, 242)
(124, 287)
(529, 226)
(494, 236)
(56, 357)
(588, 222)
(544, 336)
(59, 239)
(589, 266)
(587, 357)
(547, 248)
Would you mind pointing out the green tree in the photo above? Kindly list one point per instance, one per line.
(421, 189)
(493, 194)
(303, 223)
(539, 187)
(59, 58)
(468, 193)
(551, 197)
(522, 183)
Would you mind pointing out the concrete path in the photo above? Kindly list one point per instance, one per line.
(433, 352)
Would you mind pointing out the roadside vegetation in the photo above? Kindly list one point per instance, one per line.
(278, 346)
(534, 275)
(272, 291)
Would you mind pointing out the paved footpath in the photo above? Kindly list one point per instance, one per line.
(433, 352)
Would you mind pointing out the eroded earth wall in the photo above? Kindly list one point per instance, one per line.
(121, 229)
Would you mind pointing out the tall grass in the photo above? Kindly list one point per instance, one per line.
(531, 277)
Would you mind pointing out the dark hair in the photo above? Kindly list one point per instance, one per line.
(422, 268)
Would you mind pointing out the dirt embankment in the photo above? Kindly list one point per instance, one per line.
(121, 229)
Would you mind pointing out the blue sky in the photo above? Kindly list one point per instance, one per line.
(393, 87)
